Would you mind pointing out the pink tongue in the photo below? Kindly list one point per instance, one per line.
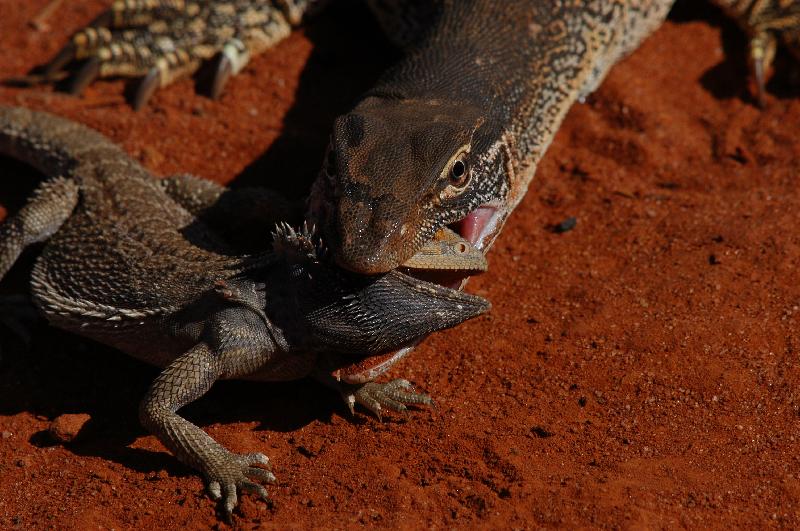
(471, 227)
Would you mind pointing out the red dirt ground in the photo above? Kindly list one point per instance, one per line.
(640, 371)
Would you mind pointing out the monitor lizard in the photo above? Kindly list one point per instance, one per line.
(453, 133)
(135, 262)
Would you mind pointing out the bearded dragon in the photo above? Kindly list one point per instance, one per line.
(133, 262)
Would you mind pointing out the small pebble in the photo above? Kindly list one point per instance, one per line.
(541, 432)
(565, 226)
(6, 435)
(66, 427)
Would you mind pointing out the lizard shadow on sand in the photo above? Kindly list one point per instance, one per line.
(63, 373)
(348, 55)
(60, 373)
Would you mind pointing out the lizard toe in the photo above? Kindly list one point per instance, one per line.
(254, 488)
(232, 473)
(769, 24)
(214, 490)
(256, 458)
(163, 41)
(231, 499)
(395, 395)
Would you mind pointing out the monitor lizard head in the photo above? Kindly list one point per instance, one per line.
(397, 171)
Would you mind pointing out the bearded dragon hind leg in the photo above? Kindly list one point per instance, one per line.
(769, 23)
(161, 41)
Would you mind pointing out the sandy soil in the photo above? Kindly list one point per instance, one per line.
(639, 371)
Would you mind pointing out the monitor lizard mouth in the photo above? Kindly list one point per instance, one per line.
(481, 226)
(454, 254)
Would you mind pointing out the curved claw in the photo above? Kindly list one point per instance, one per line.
(762, 53)
(88, 73)
(222, 73)
(233, 473)
(231, 60)
(395, 395)
(57, 64)
(147, 87)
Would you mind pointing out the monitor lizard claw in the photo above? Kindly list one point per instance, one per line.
(161, 41)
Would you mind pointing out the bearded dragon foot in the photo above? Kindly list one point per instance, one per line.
(162, 41)
(768, 23)
(394, 395)
(230, 473)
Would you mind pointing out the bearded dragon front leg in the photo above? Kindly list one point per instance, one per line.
(235, 347)
(51, 205)
(162, 41)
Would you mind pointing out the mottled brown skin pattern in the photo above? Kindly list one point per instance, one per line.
(486, 84)
(461, 121)
(130, 262)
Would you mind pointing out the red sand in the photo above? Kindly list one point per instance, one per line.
(638, 371)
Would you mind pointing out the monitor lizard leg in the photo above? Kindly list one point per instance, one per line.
(162, 41)
(767, 24)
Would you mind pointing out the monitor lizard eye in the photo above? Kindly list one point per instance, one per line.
(459, 171)
(455, 176)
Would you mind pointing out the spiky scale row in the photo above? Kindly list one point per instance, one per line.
(302, 243)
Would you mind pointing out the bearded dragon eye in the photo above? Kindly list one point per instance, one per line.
(459, 171)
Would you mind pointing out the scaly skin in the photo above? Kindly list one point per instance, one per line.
(455, 131)
(131, 261)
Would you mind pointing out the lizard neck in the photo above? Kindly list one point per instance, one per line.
(523, 63)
